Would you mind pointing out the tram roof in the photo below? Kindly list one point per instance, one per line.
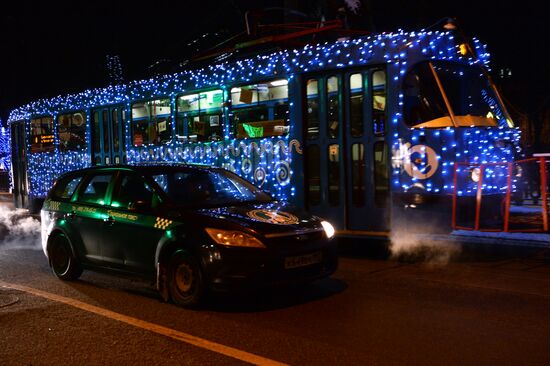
(382, 48)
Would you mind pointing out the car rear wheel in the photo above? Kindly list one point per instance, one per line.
(185, 283)
(62, 261)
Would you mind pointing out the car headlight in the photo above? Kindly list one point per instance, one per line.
(232, 238)
(329, 229)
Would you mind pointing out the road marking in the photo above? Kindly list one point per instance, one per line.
(159, 329)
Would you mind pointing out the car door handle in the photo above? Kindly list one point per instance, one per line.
(109, 220)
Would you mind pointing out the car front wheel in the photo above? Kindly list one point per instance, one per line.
(185, 282)
(62, 261)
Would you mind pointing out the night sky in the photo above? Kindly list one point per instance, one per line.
(53, 48)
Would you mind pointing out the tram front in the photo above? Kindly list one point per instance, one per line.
(453, 148)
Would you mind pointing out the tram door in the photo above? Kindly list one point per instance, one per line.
(108, 135)
(19, 164)
(346, 167)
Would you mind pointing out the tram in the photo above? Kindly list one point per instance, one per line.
(365, 131)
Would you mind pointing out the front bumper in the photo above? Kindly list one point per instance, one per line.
(233, 269)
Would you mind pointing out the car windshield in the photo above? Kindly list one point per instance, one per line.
(210, 188)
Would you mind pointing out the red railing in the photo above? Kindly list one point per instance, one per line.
(541, 177)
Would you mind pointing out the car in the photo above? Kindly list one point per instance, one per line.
(192, 229)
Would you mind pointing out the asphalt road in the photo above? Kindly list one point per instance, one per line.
(485, 307)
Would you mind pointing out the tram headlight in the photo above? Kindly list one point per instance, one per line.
(475, 174)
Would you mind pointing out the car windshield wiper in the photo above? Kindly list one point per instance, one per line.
(249, 202)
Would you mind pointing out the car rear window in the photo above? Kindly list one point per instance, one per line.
(65, 188)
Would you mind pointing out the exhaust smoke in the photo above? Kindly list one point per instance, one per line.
(18, 230)
(421, 248)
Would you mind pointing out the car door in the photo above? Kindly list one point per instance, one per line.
(88, 213)
(133, 232)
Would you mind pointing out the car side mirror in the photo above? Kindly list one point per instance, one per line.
(139, 206)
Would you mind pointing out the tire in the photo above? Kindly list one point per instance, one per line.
(185, 280)
(62, 261)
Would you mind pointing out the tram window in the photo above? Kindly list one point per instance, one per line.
(358, 168)
(151, 122)
(333, 107)
(17, 146)
(379, 102)
(334, 174)
(356, 104)
(114, 122)
(200, 116)
(312, 116)
(96, 132)
(72, 131)
(423, 104)
(470, 94)
(41, 134)
(313, 175)
(260, 110)
(381, 181)
(106, 143)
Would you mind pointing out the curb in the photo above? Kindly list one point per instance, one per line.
(504, 239)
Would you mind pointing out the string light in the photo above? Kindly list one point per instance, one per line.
(5, 153)
(271, 162)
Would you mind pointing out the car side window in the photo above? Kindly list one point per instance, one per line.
(65, 188)
(133, 192)
(95, 189)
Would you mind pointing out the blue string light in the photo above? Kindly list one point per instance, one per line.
(269, 162)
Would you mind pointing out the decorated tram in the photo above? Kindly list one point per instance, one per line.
(367, 132)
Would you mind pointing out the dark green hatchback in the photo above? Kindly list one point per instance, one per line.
(192, 229)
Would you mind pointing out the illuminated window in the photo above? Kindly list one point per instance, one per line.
(312, 113)
(424, 105)
(260, 110)
(441, 94)
(356, 104)
(72, 131)
(151, 122)
(200, 116)
(378, 102)
(333, 107)
(41, 137)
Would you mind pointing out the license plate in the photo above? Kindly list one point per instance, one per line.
(303, 260)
